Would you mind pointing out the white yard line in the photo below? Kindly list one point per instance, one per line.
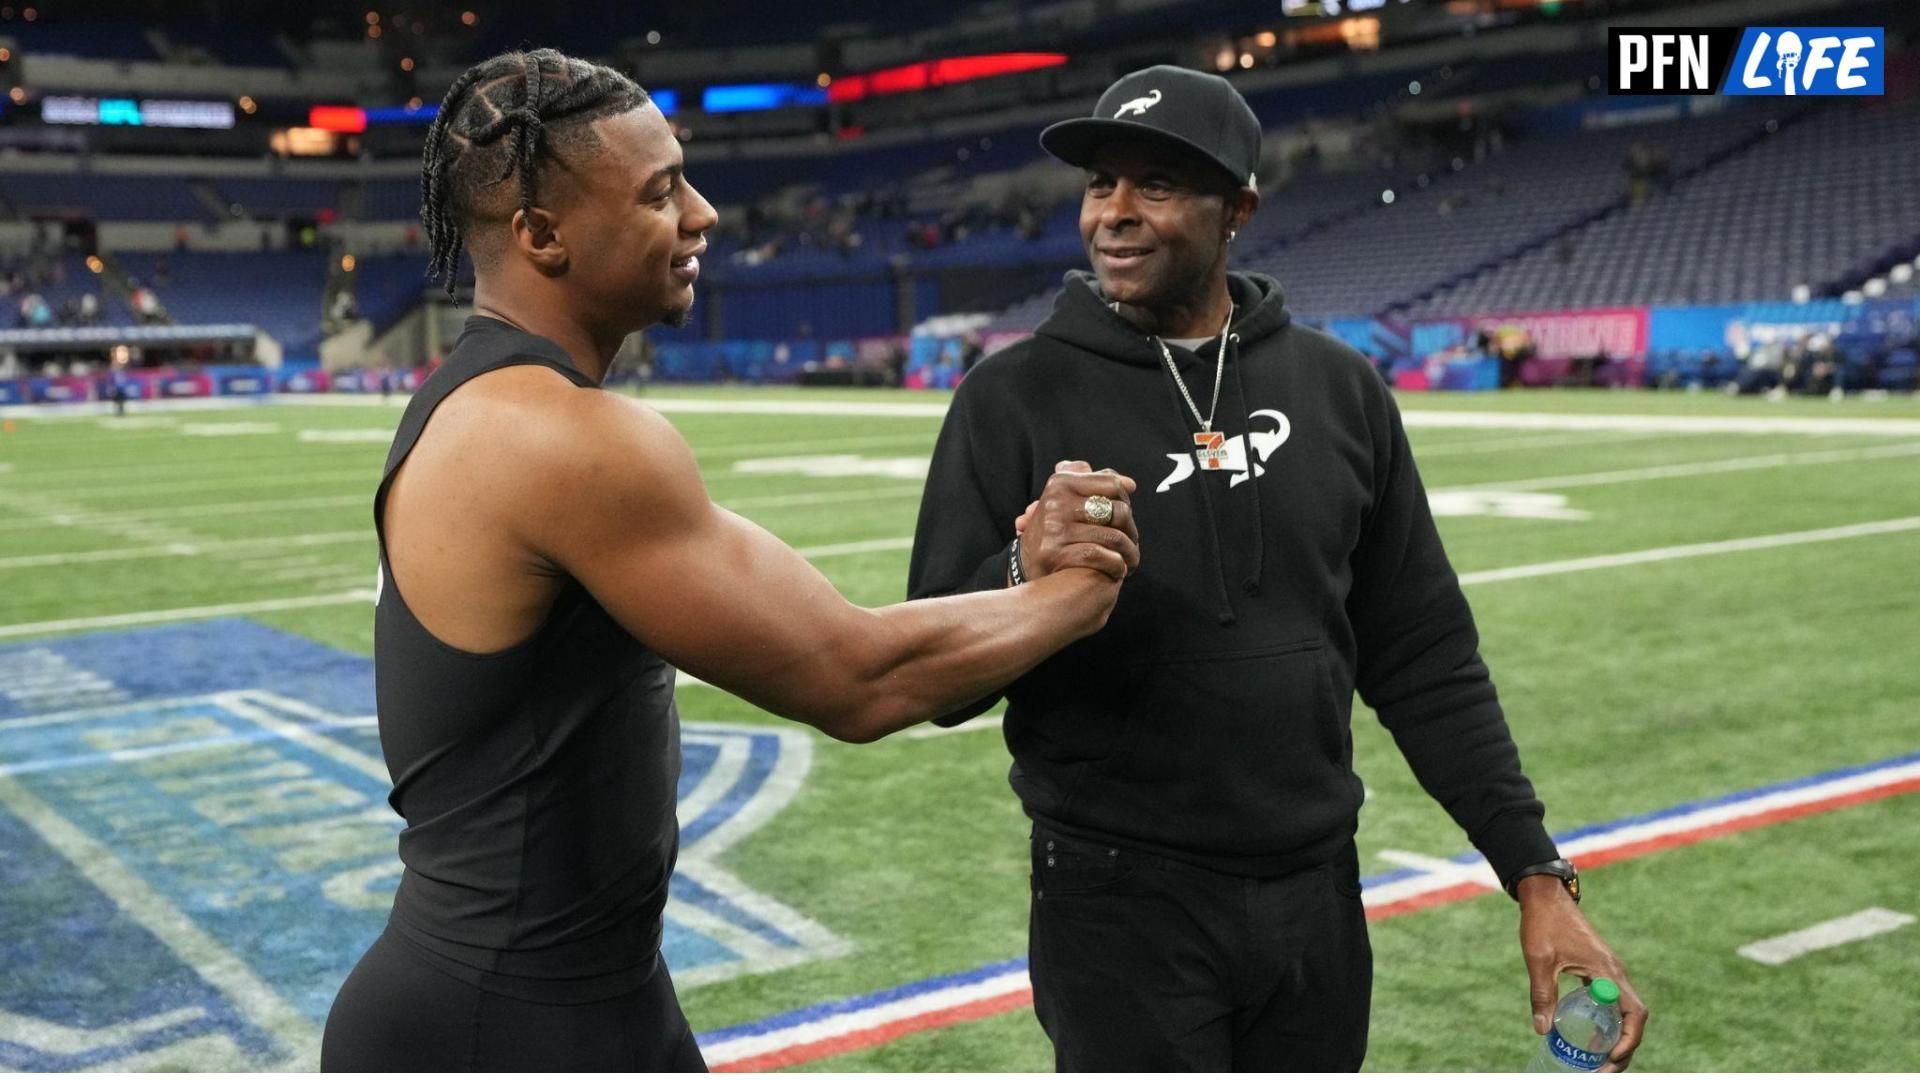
(1529, 442)
(92, 518)
(1672, 425)
(1695, 468)
(1691, 551)
(857, 547)
(168, 615)
(186, 548)
(820, 498)
(1858, 926)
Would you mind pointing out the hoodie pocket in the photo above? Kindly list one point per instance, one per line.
(1245, 752)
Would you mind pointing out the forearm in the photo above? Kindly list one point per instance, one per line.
(925, 659)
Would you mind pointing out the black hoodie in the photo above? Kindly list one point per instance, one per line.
(1209, 721)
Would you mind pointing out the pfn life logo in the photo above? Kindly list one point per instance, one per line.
(1783, 61)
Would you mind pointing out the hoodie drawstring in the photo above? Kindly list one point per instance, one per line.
(1252, 584)
(1225, 612)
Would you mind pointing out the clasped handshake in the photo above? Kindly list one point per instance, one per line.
(1082, 519)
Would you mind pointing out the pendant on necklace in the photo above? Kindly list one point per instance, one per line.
(1210, 447)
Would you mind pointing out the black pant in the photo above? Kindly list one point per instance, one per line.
(1142, 963)
(398, 1012)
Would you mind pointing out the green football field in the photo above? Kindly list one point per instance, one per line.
(1682, 598)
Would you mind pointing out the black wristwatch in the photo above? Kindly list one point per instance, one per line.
(1559, 868)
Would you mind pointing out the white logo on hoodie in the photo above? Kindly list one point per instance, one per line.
(1230, 455)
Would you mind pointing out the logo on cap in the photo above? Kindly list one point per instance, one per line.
(1139, 105)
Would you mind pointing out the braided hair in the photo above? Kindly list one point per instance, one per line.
(499, 120)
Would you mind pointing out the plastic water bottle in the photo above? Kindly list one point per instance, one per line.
(1586, 1024)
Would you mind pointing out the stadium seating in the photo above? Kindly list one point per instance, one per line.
(1818, 204)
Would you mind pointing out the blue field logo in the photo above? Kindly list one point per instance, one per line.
(1809, 61)
(195, 848)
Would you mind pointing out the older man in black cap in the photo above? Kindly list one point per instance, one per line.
(1188, 770)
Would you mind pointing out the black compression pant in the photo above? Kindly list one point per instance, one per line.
(399, 1012)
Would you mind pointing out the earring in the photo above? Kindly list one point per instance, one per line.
(1231, 233)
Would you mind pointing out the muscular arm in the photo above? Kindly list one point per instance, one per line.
(723, 599)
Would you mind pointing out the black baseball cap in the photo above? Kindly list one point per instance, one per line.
(1193, 110)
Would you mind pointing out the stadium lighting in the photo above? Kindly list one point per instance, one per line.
(1246, 59)
(406, 63)
(341, 119)
(1265, 39)
(248, 105)
(1224, 60)
(5, 55)
(30, 14)
(1386, 197)
(373, 31)
(1414, 88)
(347, 263)
(414, 103)
(18, 94)
(653, 37)
(823, 80)
(468, 18)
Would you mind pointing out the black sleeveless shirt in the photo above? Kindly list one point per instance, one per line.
(538, 783)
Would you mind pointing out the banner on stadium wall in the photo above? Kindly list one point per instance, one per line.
(185, 386)
(1379, 338)
(1619, 333)
(1736, 328)
(11, 393)
(60, 388)
(257, 383)
(305, 382)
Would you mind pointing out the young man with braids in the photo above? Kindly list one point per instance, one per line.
(549, 557)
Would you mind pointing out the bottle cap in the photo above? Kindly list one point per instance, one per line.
(1604, 991)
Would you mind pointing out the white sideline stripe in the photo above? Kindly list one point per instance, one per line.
(1694, 468)
(1406, 888)
(1676, 425)
(252, 996)
(1689, 551)
(216, 547)
(1477, 872)
(211, 611)
(989, 722)
(1845, 930)
(861, 1020)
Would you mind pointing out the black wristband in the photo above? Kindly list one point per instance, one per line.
(1015, 573)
